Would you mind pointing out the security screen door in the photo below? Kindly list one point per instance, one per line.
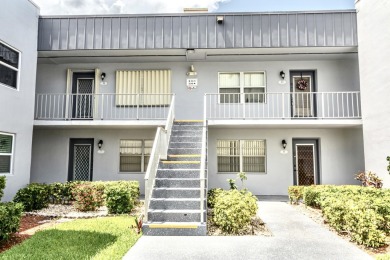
(82, 95)
(306, 170)
(80, 160)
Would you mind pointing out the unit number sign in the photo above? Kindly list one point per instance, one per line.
(192, 83)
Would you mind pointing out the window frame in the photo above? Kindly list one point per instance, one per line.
(143, 147)
(13, 68)
(11, 168)
(242, 86)
(241, 155)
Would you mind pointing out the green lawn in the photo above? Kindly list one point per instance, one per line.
(98, 238)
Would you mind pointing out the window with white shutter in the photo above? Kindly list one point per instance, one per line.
(154, 87)
(6, 152)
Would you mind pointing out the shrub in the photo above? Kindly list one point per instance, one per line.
(132, 186)
(295, 193)
(10, 214)
(369, 179)
(233, 210)
(118, 199)
(33, 197)
(212, 195)
(363, 212)
(60, 193)
(2, 186)
(383, 257)
(87, 197)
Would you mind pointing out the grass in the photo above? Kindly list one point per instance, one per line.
(98, 238)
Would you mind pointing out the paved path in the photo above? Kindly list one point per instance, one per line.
(295, 236)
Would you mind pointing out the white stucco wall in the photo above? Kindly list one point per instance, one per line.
(50, 154)
(332, 75)
(19, 29)
(341, 157)
(374, 59)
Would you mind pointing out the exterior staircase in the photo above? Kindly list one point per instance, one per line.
(175, 205)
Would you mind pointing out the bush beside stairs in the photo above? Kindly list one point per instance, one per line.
(174, 208)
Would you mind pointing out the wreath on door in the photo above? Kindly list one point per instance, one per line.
(301, 84)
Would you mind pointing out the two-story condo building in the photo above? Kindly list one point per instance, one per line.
(185, 101)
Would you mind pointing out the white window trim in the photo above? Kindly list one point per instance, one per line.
(13, 68)
(241, 156)
(142, 156)
(9, 154)
(242, 86)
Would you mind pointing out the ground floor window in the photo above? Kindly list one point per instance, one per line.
(241, 155)
(134, 155)
(6, 152)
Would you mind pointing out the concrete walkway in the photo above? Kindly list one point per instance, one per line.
(295, 236)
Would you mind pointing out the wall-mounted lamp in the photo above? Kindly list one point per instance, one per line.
(220, 19)
(103, 76)
(100, 146)
(191, 71)
(282, 76)
(284, 145)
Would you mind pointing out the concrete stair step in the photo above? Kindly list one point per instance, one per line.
(184, 150)
(187, 127)
(185, 145)
(176, 133)
(186, 138)
(175, 215)
(176, 192)
(177, 183)
(179, 165)
(178, 173)
(188, 122)
(184, 157)
(174, 229)
(175, 203)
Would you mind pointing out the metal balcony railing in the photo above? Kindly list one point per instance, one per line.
(283, 105)
(102, 106)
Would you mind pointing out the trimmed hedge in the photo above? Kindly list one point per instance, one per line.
(295, 194)
(2, 186)
(10, 214)
(87, 197)
(212, 195)
(118, 199)
(363, 212)
(234, 210)
(33, 197)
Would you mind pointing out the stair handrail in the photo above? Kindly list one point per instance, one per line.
(203, 172)
(159, 151)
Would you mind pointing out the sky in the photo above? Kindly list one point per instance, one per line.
(75, 7)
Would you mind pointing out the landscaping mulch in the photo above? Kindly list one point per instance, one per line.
(26, 222)
(256, 228)
(316, 216)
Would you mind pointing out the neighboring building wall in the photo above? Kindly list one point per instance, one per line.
(374, 57)
(341, 157)
(19, 29)
(332, 75)
(50, 154)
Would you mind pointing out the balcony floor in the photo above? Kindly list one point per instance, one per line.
(286, 123)
(99, 123)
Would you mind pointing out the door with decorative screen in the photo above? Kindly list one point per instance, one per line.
(83, 95)
(303, 99)
(306, 162)
(80, 160)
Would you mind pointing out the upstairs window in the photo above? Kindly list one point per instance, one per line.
(241, 156)
(9, 66)
(252, 85)
(153, 87)
(134, 155)
(6, 153)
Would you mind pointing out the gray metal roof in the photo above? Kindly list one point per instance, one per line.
(187, 31)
